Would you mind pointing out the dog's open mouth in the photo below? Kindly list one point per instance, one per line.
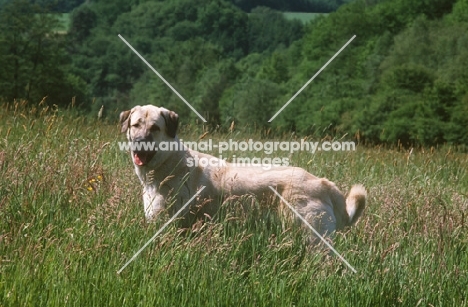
(141, 158)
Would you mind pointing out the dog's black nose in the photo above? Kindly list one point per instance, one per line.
(148, 138)
(144, 144)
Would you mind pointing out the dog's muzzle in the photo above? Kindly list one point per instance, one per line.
(143, 151)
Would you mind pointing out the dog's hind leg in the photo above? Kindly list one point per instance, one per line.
(320, 218)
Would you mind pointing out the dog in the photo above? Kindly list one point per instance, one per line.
(169, 177)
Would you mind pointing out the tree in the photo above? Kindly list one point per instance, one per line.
(275, 69)
(460, 11)
(34, 58)
(225, 25)
(210, 88)
(269, 30)
(314, 6)
(252, 102)
(83, 20)
(414, 78)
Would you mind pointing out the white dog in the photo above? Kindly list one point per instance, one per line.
(168, 177)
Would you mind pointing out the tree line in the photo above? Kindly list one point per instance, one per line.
(403, 79)
(311, 6)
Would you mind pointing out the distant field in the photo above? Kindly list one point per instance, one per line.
(65, 22)
(71, 215)
(304, 17)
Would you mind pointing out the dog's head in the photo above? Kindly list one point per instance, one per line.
(147, 126)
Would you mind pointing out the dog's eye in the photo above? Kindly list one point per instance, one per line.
(155, 128)
(136, 125)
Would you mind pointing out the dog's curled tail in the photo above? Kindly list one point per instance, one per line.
(356, 202)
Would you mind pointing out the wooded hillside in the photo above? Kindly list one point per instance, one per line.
(403, 79)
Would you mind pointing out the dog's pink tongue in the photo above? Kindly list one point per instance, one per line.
(137, 160)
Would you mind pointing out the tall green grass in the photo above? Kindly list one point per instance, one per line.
(71, 215)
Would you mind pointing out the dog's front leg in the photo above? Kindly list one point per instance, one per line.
(153, 202)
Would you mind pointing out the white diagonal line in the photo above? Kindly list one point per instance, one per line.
(313, 229)
(162, 78)
(160, 230)
(311, 79)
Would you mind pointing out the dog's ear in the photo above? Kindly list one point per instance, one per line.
(172, 122)
(124, 120)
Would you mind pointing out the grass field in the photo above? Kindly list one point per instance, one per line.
(64, 22)
(71, 215)
(303, 17)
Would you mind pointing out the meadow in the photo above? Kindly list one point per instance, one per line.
(64, 20)
(301, 16)
(71, 215)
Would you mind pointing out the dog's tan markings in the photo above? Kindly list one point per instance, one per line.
(124, 120)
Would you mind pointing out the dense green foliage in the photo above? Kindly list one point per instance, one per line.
(33, 58)
(402, 80)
